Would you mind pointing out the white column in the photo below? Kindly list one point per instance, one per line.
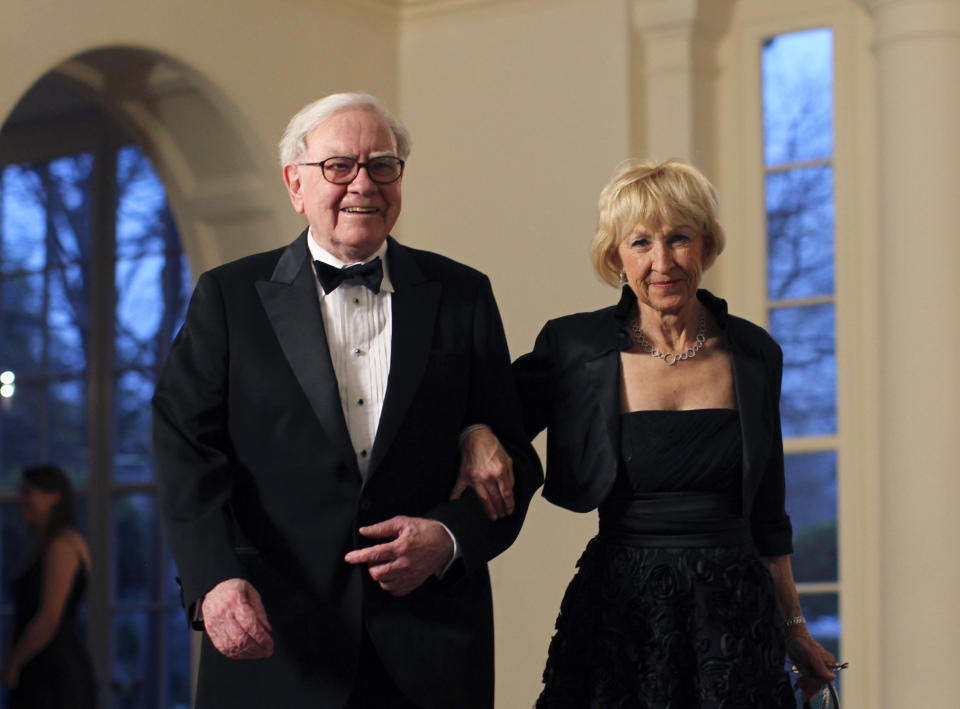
(672, 71)
(917, 48)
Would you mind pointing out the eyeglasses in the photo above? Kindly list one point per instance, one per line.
(826, 697)
(341, 170)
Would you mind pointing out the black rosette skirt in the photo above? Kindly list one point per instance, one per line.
(667, 628)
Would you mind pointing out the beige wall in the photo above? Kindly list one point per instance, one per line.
(519, 111)
(529, 100)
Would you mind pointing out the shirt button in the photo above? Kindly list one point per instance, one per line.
(356, 301)
(356, 352)
(363, 453)
(359, 402)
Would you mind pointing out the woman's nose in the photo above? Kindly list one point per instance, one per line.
(662, 258)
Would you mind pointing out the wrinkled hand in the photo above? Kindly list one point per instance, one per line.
(812, 659)
(486, 467)
(418, 549)
(236, 622)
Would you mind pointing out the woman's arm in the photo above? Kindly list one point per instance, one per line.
(60, 566)
(812, 659)
(485, 465)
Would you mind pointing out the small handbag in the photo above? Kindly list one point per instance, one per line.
(825, 698)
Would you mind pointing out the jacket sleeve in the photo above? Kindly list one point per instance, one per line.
(536, 375)
(772, 532)
(192, 448)
(492, 400)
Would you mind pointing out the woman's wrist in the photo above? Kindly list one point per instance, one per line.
(794, 622)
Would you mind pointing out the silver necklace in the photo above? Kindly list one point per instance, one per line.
(670, 358)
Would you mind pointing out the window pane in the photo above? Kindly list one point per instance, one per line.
(153, 281)
(22, 227)
(46, 213)
(22, 437)
(135, 548)
(133, 454)
(812, 505)
(141, 203)
(21, 325)
(178, 660)
(68, 319)
(798, 96)
(808, 398)
(823, 619)
(800, 233)
(151, 297)
(67, 415)
(133, 684)
(68, 205)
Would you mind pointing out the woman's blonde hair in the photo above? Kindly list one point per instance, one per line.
(656, 195)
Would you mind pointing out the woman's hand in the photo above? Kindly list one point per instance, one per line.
(812, 659)
(488, 469)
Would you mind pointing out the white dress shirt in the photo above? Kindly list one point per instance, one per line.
(359, 327)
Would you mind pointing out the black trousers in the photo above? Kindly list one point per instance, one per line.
(374, 688)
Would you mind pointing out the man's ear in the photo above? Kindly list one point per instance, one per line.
(291, 177)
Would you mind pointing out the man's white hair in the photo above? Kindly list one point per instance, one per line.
(294, 141)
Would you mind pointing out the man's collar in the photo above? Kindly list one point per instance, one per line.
(318, 253)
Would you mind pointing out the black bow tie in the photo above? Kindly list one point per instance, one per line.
(368, 274)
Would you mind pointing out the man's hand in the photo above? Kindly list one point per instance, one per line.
(418, 549)
(236, 622)
(486, 467)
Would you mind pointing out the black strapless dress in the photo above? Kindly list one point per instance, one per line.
(671, 607)
(61, 675)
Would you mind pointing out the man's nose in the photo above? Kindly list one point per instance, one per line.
(362, 182)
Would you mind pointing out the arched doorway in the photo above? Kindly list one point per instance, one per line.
(95, 161)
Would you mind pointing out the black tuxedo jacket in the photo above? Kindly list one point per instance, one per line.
(570, 384)
(258, 478)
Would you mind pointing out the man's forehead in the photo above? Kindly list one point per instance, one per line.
(351, 130)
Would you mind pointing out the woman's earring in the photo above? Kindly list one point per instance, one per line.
(623, 278)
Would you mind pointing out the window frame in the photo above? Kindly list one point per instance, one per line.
(49, 139)
(740, 275)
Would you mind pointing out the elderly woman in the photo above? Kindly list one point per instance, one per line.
(662, 412)
(46, 665)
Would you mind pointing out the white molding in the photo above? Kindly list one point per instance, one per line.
(412, 9)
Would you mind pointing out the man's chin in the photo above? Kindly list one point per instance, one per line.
(354, 246)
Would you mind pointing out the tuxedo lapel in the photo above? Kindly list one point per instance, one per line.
(415, 303)
(291, 301)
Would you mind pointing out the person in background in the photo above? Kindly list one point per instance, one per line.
(46, 665)
(685, 598)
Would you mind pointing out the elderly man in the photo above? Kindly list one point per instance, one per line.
(306, 428)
